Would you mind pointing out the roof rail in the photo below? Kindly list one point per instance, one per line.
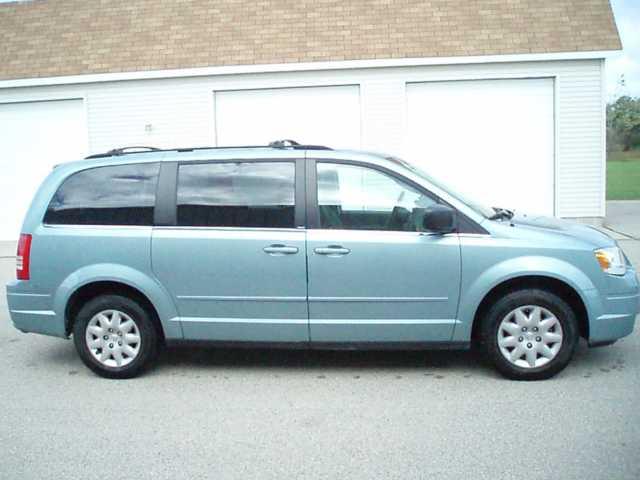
(124, 150)
(286, 143)
(281, 144)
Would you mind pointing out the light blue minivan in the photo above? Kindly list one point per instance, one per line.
(307, 247)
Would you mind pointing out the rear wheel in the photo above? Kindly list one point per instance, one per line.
(530, 334)
(115, 336)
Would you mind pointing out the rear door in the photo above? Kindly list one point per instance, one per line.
(233, 253)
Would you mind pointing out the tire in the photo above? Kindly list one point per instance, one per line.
(535, 328)
(108, 343)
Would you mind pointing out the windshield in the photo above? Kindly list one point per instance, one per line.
(483, 210)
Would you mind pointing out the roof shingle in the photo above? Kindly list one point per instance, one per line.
(46, 38)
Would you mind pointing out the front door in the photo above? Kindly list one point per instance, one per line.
(234, 260)
(374, 275)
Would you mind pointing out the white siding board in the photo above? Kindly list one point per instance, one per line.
(160, 114)
(580, 145)
(181, 113)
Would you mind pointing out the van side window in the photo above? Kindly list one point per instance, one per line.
(352, 197)
(112, 195)
(239, 194)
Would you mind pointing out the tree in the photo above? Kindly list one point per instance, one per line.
(623, 123)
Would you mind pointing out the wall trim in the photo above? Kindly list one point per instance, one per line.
(298, 67)
(603, 122)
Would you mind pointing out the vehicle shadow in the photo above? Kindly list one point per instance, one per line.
(436, 362)
(603, 359)
(336, 360)
(467, 363)
(215, 359)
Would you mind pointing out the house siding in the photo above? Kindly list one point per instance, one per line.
(181, 112)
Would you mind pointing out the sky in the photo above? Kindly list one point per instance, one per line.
(627, 62)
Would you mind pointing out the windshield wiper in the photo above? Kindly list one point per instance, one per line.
(501, 213)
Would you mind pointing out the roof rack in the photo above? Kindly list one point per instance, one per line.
(286, 143)
(281, 144)
(124, 150)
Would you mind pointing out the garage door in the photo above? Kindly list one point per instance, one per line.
(311, 115)
(492, 140)
(35, 136)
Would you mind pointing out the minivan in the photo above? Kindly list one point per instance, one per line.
(307, 247)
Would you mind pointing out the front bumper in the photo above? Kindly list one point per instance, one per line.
(614, 314)
(33, 312)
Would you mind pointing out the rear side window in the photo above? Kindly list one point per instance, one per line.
(239, 194)
(117, 195)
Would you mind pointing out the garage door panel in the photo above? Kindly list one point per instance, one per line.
(310, 115)
(35, 136)
(492, 140)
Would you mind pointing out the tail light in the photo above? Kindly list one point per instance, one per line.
(23, 257)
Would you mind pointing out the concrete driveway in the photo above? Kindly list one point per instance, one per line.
(623, 217)
(204, 413)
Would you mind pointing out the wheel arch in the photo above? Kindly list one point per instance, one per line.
(541, 282)
(91, 290)
(90, 281)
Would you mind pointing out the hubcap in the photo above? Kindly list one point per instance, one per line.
(529, 336)
(113, 338)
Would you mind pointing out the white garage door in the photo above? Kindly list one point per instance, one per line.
(34, 136)
(492, 140)
(311, 115)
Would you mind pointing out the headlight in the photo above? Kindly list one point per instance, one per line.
(611, 260)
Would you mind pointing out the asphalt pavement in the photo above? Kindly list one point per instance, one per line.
(257, 414)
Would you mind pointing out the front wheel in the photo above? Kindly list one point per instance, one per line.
(530, 334)
(114, 336)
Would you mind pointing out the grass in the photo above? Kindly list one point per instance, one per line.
(623, 175)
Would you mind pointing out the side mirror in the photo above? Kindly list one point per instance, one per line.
(440, 219)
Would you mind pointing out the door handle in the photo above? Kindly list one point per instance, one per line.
(278, 249)
(332, 251)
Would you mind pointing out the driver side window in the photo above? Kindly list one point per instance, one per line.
(352, 197)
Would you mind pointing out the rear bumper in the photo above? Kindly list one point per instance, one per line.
(33, 312)
(615, 314)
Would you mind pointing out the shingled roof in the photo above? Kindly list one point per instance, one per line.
(44, 38)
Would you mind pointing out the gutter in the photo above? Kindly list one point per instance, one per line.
(302, 67)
